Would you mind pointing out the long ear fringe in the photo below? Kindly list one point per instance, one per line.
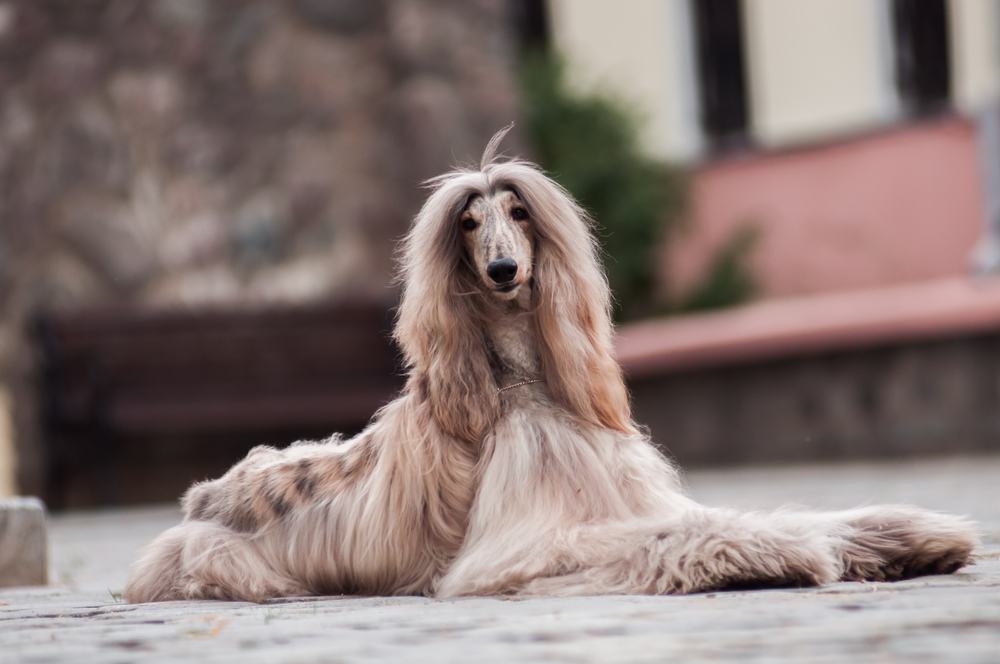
(438, 323)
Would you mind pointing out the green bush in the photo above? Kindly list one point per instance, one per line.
(728, 281)
(590, 145)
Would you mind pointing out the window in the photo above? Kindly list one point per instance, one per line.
(718, 26)
(923, 67)
(531, 24)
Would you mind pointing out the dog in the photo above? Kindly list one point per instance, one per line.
(510, 463)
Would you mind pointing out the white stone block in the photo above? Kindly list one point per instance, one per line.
(23, 544)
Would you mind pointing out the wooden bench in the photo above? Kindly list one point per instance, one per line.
(134, 405)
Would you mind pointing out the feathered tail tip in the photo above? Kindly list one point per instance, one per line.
(490, 153)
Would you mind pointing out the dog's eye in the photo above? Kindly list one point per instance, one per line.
(518, 214)
(469, 224)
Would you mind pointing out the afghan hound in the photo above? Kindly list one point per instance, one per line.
(510, 463)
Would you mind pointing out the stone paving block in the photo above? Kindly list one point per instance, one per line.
(23, 542)
(952, 618)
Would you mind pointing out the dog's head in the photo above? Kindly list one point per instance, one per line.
(498, 241)
(496, 233)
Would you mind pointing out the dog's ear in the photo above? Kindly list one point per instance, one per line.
(577, 353)
(572, 304)
(438, 326)
(461, 389)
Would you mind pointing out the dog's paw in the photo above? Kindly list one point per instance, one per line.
(786, 561)
(889, 543)
(753, 551)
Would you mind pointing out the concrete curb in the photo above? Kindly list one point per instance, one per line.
(23, 542)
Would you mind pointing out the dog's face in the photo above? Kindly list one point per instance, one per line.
(497, 234)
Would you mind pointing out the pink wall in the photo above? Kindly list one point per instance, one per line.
(899, 206)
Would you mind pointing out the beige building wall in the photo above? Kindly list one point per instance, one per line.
(975, 52)
(7, 459)
(817, 68)
(640, 51)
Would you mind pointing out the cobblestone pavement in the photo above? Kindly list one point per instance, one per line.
(932, 619)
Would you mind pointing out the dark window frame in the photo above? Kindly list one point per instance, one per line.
(718, 29)
(922, 62)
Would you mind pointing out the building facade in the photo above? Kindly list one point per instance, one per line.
(849, 132)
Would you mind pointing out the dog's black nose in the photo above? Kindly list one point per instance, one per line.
(502, 270)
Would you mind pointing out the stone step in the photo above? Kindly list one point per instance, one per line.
(23, 542)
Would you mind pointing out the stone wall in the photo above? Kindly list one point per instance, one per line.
(908, 398)
(189, 151)
(193, 152)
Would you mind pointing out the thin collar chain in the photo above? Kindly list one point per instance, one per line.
(522, 383)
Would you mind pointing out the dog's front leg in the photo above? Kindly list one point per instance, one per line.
(704, 549)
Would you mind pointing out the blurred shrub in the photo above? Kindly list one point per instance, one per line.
(590, 144)
(727, 281)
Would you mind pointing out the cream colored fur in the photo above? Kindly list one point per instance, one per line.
(548, 488)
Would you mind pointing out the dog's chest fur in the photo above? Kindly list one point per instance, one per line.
(514, 353)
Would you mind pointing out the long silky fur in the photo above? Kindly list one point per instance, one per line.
(454, 489)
